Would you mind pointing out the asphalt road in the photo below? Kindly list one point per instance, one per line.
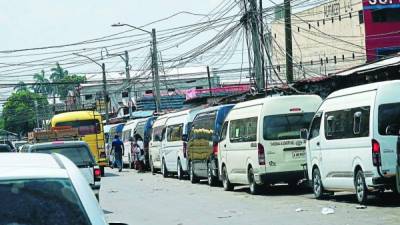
(143, 198)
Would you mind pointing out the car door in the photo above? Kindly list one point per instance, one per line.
(222, 146)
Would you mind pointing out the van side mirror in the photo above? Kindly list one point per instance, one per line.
(304, 134)
(184, 137)
(393, 129)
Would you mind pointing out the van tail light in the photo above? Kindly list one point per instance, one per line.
(376, 153)
(97, 174)
(184, 149)
(215, 149)
(261, 154)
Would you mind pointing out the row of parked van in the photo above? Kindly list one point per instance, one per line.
(347, 142)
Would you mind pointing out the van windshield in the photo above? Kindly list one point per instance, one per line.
(285, 126)
(389, 119)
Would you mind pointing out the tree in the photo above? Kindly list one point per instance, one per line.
(74, 79)
(21, 86)
(19, 112)
(58, 73)
(42, 84)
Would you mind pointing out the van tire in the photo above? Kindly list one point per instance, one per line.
(210, 178)
(102, 171)
(254, 187)
(361, 187)
(225, 180)
(317, 186)
(179, 170)
(164, 170)
(192, 176)
(152, 170)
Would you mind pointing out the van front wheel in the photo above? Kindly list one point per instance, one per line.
(164, 170)
(179, 170)
(361, 187)
(318, 188)
(225, 181)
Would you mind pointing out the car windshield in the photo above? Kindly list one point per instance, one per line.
(80, 155)
(286, 126)
(40, 202)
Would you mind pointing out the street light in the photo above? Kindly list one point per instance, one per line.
(156, 81)
(103, 68)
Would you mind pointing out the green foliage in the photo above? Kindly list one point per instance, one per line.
(41, 84)
(19, 111)
(21, 86)
(64, 88)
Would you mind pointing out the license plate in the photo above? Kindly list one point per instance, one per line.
(298, 154)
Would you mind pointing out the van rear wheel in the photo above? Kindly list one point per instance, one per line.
(361, 187)
(254, 187)
(225, 180)
(318, 188)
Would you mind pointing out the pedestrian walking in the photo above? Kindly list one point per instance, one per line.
(118, 148)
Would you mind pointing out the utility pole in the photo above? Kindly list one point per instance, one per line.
(288, 42)
(155, 70)
(105, 96)
(36, 112)
(260, 79)
(128, 78)
(209, 81)
(263, 47)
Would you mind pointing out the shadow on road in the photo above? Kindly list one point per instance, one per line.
(108, 174)
(387, 199)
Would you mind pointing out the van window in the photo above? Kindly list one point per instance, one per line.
(347, 123)
(203, 127)
(126, 135)
(224, 131)
(315, 127)
(243, 130)
(175, 132)
(285, 126)
(389, 119)
(157, 133)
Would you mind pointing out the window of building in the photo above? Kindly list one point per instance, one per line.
(171, 89)
(322, 61)
(361, 17)
(342, 57)
(326, 59)
(298, 29)
(125, 94)
(340, 18)
(243, 130)
(88, 97)
(350, 15)
(174, 132)
(334, 59)
(275, 35)
(317, 23)
(347, 123)
(309, 26)
(386, 15)
(312, 62)
(323, 21)
(278, 68)
(148, 92)
(354, 56)
(332, 19)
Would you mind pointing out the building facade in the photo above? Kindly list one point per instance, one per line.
(336, 35)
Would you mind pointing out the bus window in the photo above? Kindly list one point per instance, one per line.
(84, 127)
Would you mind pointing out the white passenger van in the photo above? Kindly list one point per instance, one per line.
(352, 142)
(127, 135)
(155, 143)
(173, 152)
(260, 141)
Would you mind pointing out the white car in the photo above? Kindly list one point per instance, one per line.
(45, 189)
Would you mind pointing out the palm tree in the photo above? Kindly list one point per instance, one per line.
(41, 84)
(21, 86)
(58, 73)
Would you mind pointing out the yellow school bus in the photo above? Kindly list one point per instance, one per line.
(90, 128)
